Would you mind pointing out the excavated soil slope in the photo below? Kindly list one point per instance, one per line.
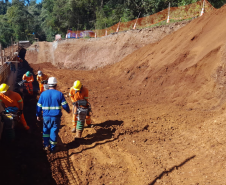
(159, 113)
(94, 53)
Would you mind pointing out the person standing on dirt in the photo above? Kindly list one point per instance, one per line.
(41, 78)
(9, 98)
(78, 92)
(50, 103)
(29, 78)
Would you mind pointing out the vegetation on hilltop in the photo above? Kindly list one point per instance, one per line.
(27, 20)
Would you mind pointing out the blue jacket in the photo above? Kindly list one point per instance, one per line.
(50, 103)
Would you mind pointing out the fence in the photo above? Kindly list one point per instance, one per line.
(4, 72)
(173, 13)
(7, 55)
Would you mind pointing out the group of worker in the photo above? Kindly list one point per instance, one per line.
(49, 105)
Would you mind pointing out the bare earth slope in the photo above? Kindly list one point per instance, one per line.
(158, 113)
(94, 53)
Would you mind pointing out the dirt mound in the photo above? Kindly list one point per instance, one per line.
(94, 53)
(158, 113)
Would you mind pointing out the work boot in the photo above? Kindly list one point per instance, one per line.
(73, 130)
(90, 126)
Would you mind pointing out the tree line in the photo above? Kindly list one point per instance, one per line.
(27, 20)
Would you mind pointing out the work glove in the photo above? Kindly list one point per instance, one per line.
(20, 112)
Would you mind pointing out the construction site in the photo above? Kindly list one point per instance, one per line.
(158, 99)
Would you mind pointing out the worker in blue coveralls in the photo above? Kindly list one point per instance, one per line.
(50, 103)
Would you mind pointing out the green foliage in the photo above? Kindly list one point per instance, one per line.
(21, 18)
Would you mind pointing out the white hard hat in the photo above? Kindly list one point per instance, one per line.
(39, 72)
(52, 81)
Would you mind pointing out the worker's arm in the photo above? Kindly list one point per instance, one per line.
(71, 94)
(65, 104)
(21, 106)
(20, 103)
(86, 96)
(39, 108)
(38, 79)
(31, 79)
(23, 78)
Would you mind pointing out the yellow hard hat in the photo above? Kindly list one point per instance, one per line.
(77, 85)
(3, 88)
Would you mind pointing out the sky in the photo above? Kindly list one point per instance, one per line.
(37, 1)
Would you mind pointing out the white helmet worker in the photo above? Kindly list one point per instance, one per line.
(52, 81)
(39, 73)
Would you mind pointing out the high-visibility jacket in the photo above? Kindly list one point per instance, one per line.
(50, 102)
(80, 95)
(13, 100)
(83, 94)
(41, 78)
(28, 78)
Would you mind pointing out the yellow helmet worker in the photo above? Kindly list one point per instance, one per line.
(9, 98)
(3, 88)
(77, 85)
(78, 92)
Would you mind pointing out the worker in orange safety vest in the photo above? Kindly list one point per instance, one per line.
(9, 98)
(79, 92)
(41, 78)
(29, 78)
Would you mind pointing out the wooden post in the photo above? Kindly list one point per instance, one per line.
(11, 49)
(18, 47)
(3, 56)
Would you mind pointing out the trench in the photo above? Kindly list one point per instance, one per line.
(24, 162)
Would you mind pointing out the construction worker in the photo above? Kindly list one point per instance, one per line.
(29, 78)
(41, 78)
(78, 92)
(9, 98)
(50, 103)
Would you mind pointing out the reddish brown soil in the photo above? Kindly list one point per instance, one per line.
(159, 113)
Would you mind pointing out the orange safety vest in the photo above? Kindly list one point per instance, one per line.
(28, 78)
(41, 78)
(84, 94)
(13, 100)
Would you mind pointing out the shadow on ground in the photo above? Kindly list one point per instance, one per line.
(104, 132)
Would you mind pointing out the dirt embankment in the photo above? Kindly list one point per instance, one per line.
(159, 113)
(93, 53)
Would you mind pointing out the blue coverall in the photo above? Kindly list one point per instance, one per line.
(50, 102)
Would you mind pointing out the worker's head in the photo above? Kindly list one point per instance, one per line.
(52, 82)
(39, 73)
(28, 73)
(4, 88)
(77, 85)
